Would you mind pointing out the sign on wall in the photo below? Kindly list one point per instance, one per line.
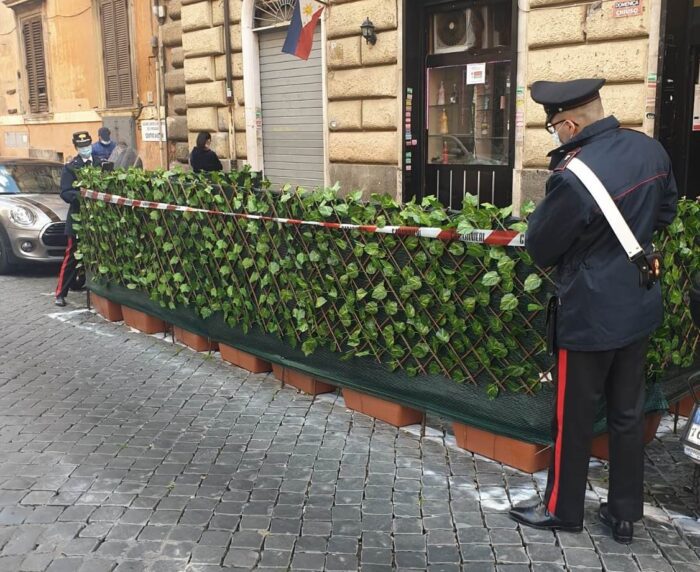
(625, 8)
(150, 131)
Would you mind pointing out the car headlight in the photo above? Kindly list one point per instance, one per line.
(22, 216)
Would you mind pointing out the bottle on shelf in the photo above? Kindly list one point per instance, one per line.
(443, 122)
(441, 94)
(454, 96)
(445, 153)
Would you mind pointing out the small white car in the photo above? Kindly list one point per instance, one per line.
(32, 213)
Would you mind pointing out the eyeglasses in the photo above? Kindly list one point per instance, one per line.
(552, 127)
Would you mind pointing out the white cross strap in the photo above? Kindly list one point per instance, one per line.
(594, 186)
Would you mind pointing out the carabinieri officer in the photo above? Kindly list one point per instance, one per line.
(603, 315)
(69, 269)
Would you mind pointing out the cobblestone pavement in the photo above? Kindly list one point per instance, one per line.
(121, 451)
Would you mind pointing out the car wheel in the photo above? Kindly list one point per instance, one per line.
(7, 259)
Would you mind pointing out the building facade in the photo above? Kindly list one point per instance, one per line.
(434, 100)
(70, 65)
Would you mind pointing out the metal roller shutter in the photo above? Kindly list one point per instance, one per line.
(292, 112)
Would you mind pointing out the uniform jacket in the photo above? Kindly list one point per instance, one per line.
(101, 152)
(70, 194)
(601, 305)
(204, 160)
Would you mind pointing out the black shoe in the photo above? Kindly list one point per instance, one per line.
(539, 517)
(622, 530)
(60, 301)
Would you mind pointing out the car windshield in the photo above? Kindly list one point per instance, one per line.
(27, 179)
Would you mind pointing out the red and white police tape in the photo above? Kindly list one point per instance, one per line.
(480, 236)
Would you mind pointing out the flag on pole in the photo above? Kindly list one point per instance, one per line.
(300, 36)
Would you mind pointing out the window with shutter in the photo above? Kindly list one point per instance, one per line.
(116, 51)
(33, 41)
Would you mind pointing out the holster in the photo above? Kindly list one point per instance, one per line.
(649, 266)
(551, 322)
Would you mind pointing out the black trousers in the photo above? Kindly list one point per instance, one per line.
(581, 379)
(69, 274)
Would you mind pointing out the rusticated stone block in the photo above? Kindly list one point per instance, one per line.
(366, 178)
(174, 8)
(179, 103)
(345, 115)
(344, 53)
(561, 26)
(385, 51)
(626, 102)
(380, 81)
(182, 152)
(199, 69)
(379, 113)
(346, 18)
(219, 144)
(174, 81)
(209, 42)
(205, 94)
(234, 11)
(177, 57)
(176, 128)
(171, 34)
(202, 119)
(600, 24)
(621, 61)
(365, 147)
(196, 16)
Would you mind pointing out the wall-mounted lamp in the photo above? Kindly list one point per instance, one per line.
(368, 31)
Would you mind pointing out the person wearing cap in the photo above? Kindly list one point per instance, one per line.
(102, 149)
(602, 316)
(69, 274)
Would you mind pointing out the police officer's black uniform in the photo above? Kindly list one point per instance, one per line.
(603, 316)
(69, 269)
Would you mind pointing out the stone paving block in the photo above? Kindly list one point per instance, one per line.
(619, 563)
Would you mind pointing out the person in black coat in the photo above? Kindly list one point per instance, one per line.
(603, 314)
(69, 274)
(202, 158)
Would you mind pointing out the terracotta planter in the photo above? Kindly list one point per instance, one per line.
(106, 308)
(244, 360)
(601, 442)
(143, 322)
(528, 457)
(194, 341)
(302, 381)
(683, 407)
(388, 411)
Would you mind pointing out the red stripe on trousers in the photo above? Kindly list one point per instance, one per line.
(59, 286)
(561, 392)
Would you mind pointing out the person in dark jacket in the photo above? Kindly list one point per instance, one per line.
(69, 273)
(202, 158)
(604, 317)
(102, 149)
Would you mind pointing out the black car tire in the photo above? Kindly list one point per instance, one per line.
(7, 259)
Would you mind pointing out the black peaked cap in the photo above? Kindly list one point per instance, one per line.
(558, 96)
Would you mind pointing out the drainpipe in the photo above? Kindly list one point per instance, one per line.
(161, 96)
(229, 82)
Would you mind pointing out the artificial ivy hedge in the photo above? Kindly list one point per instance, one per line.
(467, 311)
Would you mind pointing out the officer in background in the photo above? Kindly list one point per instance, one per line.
(69, 269)
(102, 149)
(603, 316)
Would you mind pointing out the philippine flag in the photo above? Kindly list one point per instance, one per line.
(300, 36)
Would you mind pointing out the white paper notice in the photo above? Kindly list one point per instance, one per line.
(476, 73)
(150, 131)
(696, 108)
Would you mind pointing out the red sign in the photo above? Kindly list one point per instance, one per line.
(624, 8)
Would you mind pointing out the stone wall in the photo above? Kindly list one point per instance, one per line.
(568, 40)
(363, 86)
(208, 108)
(174, 83)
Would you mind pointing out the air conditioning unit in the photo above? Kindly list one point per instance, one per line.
(452, 31)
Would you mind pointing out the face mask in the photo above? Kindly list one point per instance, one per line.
(85, 153)
(555, 139)
(104, 142)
